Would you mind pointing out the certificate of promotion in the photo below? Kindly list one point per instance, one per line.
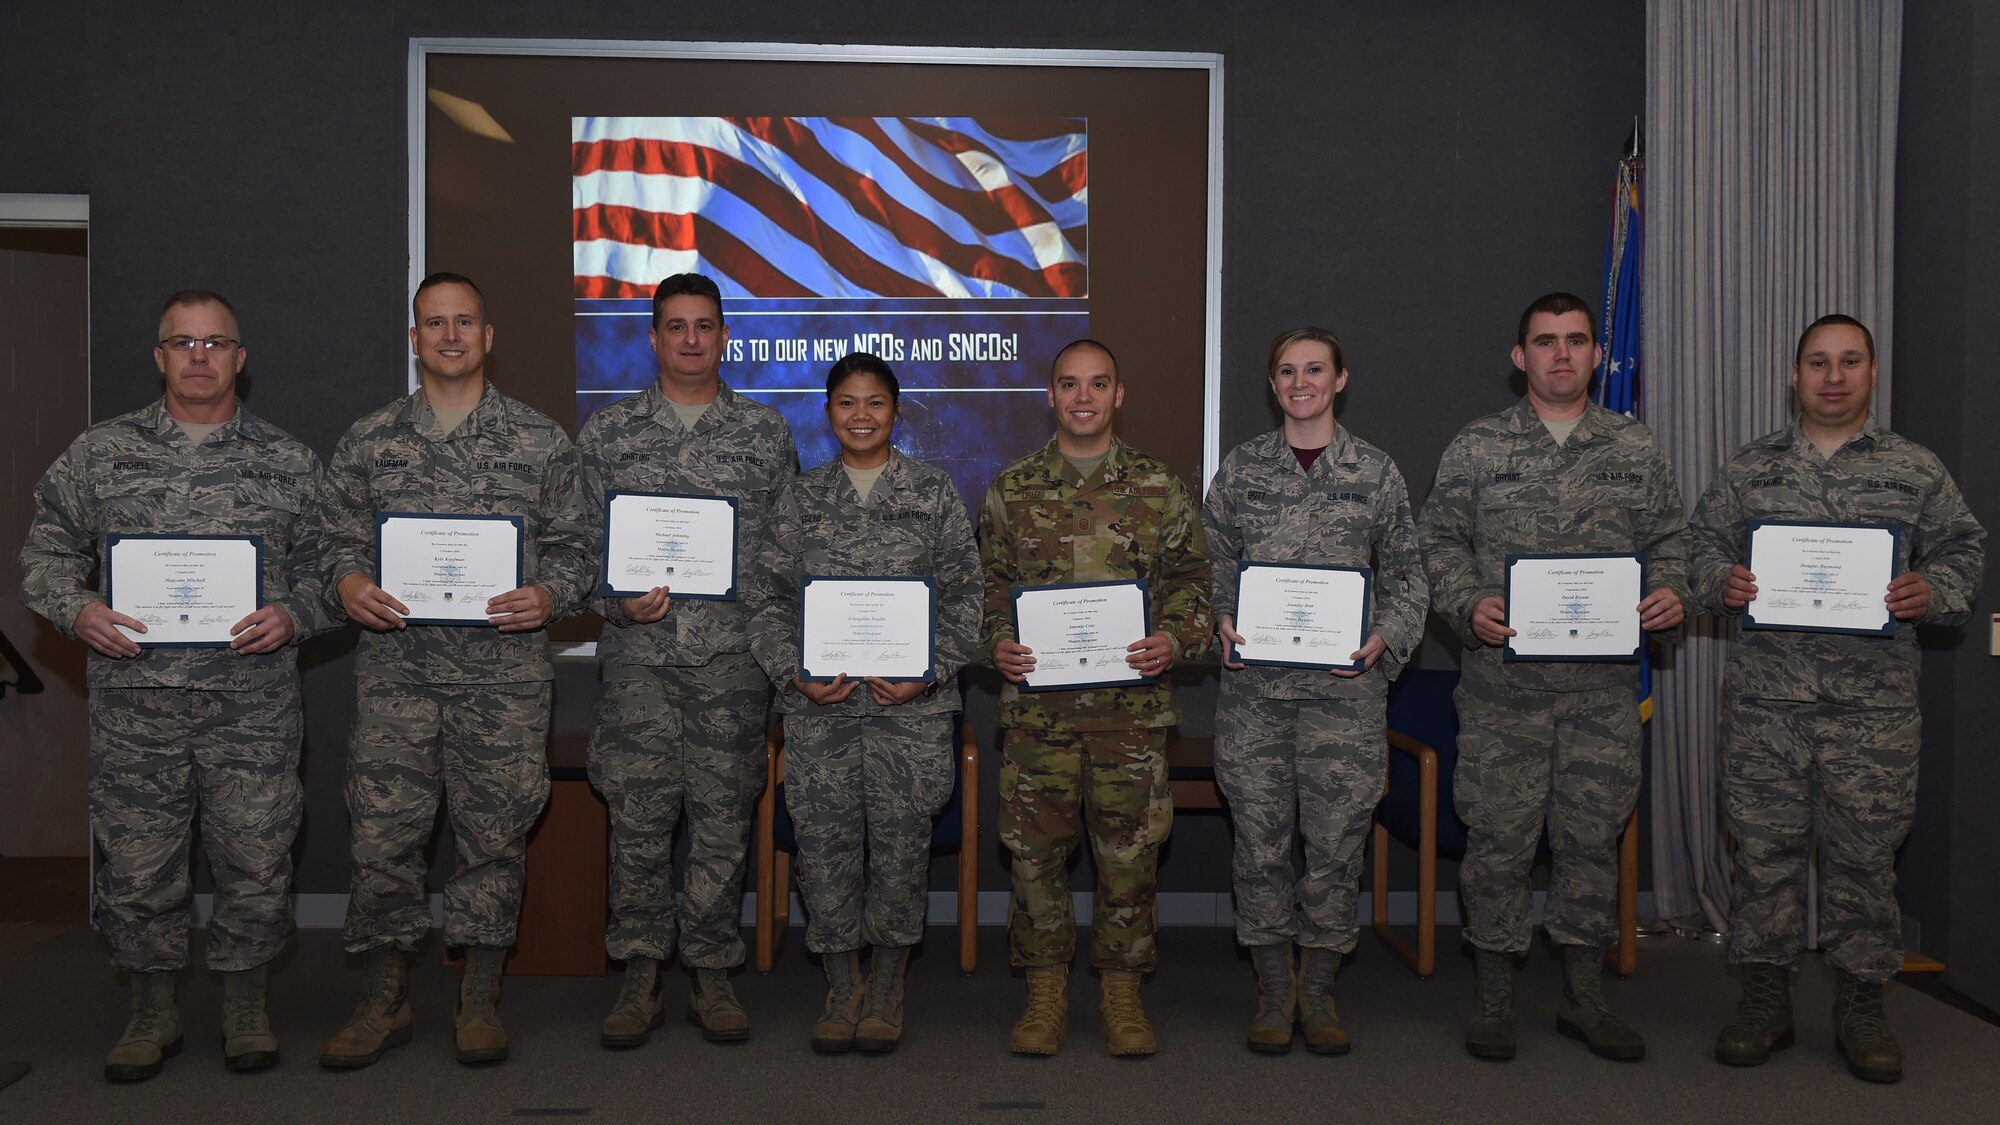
(1575, 607)
(188, 589)
(1079, 633)
(447, 567)
(1301, 616)
(879, 627)
(685, 543)
(1822, 577)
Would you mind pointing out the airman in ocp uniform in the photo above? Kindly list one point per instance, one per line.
(1084, 508)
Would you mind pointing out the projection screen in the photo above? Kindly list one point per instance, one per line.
(962, 213)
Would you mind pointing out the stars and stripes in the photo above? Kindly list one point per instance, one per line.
(850, 207)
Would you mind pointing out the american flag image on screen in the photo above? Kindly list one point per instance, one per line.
(832, 207)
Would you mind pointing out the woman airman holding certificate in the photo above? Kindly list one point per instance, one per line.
(1299, 745)
(869, 753)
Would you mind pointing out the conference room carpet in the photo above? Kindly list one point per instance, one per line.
(62, 1007)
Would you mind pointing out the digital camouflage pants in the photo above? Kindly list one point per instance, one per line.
(1844, 778)
(862, 791)
(483, 748)
(156, 756)
(670, 739)
(1299, 769)
(1565, 759)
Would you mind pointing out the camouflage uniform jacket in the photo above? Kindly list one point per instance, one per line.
(738, 448)
(140, 473)
(912, 524)
(1352, 509)
(1504, 487)
(507, 459)
(1041, 525)
(1876, 477)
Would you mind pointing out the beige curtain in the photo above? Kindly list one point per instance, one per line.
(1770, 177)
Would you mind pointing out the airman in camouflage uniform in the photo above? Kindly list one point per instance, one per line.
(176, 729)
(681, 721)
(1554, 742)
(1299, 752)
(1095, 758)
(461, 707)
(866, 763)
(1820, 730)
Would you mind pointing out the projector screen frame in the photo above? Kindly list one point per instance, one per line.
(421, 49)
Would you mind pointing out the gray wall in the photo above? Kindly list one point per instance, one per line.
(1947, 291)
(1410, 175)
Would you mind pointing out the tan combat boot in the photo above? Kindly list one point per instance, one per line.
(1126, 1030)
(639, 1008)
(1763, 1021)
(479, 1036)
(1861, 1030)
(845, 997)
(1490, 1033)
(152, 1034)
(1041, 1028)
(248, 1043)
(383, 1018)
(882, 1028)
(1584, 1014)
(712, 1005)
(1277, 999)
(1324, 1035)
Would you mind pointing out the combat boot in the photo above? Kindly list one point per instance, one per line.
(1041, 1028)
(1585, 1015)
(1324, 1035)
(480, 1038)
(1277, 999)
(152, 1034)
(712, 1004)
(383, 1018)
(1763, 1021)
(1126, 1030)
(1490, 1034)
(1861, 1030)
(882, 1028)
(845, 998)
(248, 1043)
(639, 1008)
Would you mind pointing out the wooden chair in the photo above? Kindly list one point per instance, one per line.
(1417, 809)
(957, 827)
(1191, 773)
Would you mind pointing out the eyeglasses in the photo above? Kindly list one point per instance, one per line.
(207, 343)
